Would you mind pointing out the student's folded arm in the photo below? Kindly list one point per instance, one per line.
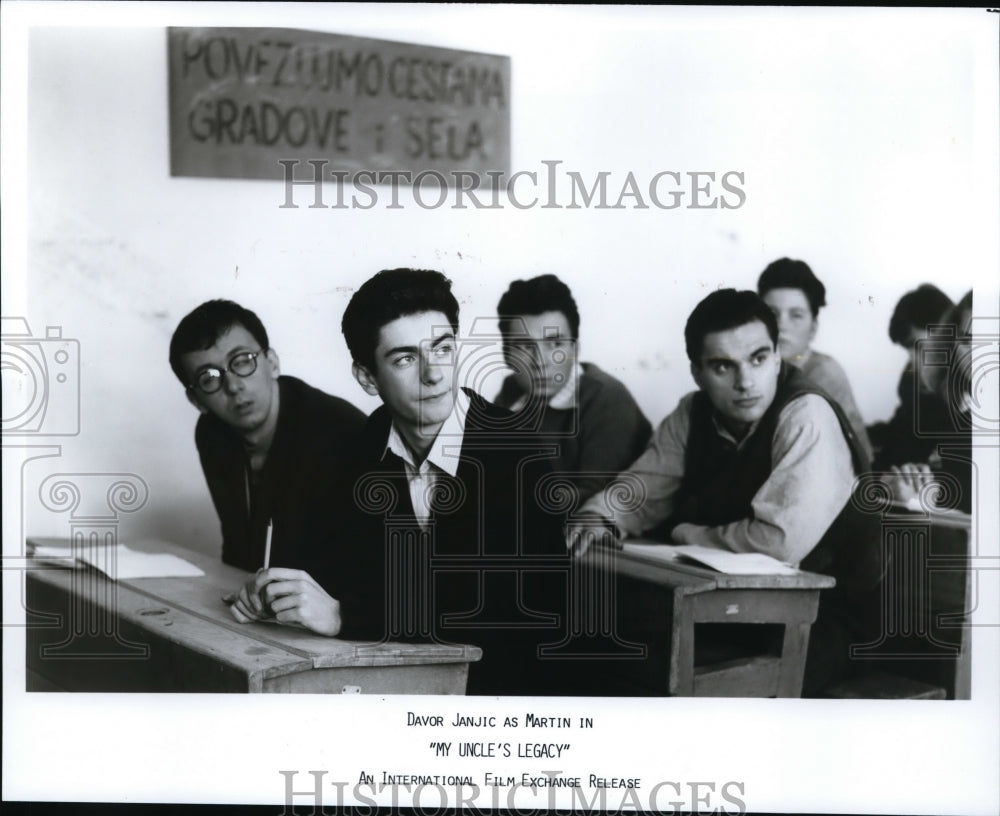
(641, 497)
(810, 483)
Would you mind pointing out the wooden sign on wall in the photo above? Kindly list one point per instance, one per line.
(243, 99)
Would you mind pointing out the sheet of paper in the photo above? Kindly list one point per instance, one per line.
(125, 563)
(721, 560)
(120, 562)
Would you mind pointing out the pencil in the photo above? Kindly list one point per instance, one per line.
(267, 545)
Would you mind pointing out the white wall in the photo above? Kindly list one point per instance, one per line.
(863, 160)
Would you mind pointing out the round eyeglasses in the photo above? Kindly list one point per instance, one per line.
(209, 380)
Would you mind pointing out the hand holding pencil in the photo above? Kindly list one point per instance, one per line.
(288, 596)
(246, 602)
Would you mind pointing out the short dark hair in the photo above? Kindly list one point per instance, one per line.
(785, 273)
(917, 309)
(199, 330)
(722, 310)
(387, 296)
(960, 317)
(546, 293)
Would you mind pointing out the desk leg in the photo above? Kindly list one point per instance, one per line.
(794, 648)
(681, 680)
(963, 664)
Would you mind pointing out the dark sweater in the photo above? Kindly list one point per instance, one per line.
(925, 430)
(599, 438)
(916, 427)
(303, 488)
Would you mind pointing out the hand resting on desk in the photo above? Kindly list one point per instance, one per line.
(289, 596)
(907, 481)
(585, 528)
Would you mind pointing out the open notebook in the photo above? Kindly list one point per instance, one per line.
(118, 562)
(719, 560)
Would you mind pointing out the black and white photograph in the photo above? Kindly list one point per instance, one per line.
(493, 407)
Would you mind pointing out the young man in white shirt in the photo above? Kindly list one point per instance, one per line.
(453, 542)
(759, 459)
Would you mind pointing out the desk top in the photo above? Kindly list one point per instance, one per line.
(690, 579)
(191, 610)
(913, 512)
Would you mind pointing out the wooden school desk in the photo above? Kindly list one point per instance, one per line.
(88, 633)
(927, 598)
(663, 606)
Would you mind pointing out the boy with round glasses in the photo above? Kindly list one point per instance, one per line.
(273, 449)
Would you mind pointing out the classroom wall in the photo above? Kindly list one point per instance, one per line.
(857, 158)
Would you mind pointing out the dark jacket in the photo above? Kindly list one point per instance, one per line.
(304, 486)
(491, 568)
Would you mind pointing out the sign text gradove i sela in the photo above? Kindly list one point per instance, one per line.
(243, 99)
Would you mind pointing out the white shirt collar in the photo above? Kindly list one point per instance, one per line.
(446, 448)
